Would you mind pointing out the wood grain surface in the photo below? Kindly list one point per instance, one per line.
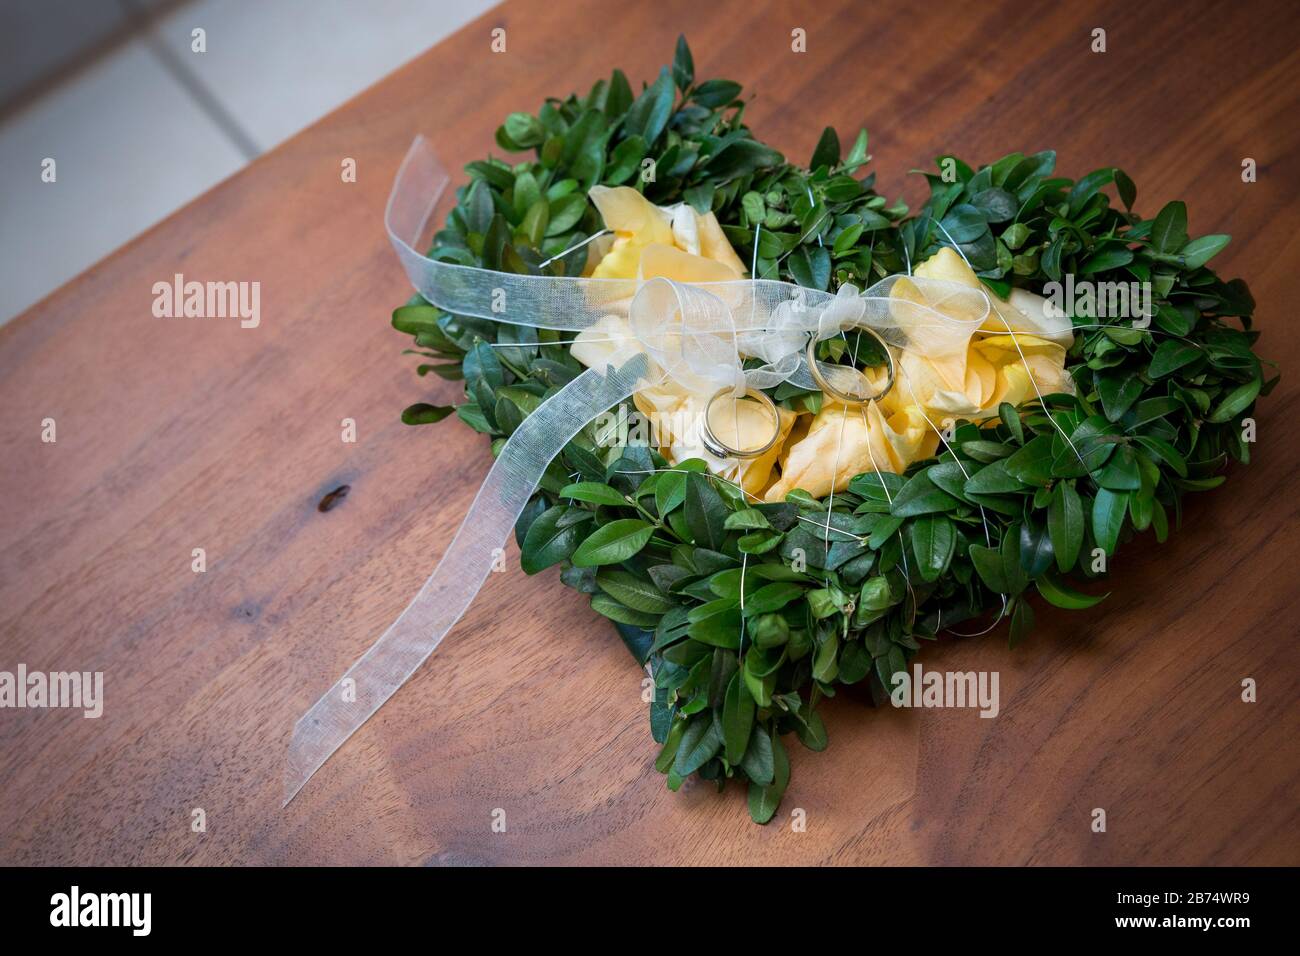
(176, 434)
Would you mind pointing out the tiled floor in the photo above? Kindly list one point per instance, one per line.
(150, 124)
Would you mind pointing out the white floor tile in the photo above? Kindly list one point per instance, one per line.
(278, 67)
(130, 147)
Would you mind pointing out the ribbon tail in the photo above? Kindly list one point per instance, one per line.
(460, 574)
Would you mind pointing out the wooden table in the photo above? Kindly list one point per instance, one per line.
(176, 434)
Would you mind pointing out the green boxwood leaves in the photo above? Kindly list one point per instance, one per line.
(550, 539)
(749, 614)
(1000, 568)
(1171, 355)
(649, 114)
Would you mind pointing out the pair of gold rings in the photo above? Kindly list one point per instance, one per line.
(845, 384)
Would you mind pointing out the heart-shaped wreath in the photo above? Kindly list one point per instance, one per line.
(752, 590)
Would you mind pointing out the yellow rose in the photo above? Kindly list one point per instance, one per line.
(1023, 311)
(678, 417)
(675, 243)
(842, 442)
(995, 366)
(675, 413)
(947, 372)
(639, 226)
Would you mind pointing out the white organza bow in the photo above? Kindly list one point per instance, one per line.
(699, 335)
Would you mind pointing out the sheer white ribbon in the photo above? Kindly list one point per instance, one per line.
(698, 335)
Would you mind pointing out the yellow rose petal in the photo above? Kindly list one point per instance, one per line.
(714, 244)
(675, 417)
(621, 262)
(630, 214)
(843, 442)
(1029, 345)
(609, 341)
(947, 265)
(660, 261)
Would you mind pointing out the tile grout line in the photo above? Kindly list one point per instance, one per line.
(193, 85)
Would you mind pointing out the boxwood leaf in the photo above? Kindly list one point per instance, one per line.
(764, 799)
(620, 613)
(1011, 418)
(737, 719)
(1118, 392)
(1109, 509)
(771, 597)
(1236, 401)
(1165, 452)
(714, 93)
(1035, 549)
(746, 519)
(988, 564)
(549, 540)
(700, 742)
(1065, 524)
(670, 491)
(1170, 356)
(594, 492)
(827, 152)
(613, 543)
(633, 591)
(421, 413)
(1121, 472)
(920, 496)
(810, 729)
(995, 478)
(648, 116)
(716, 624)
(706, 513)
(1022, 622)
(683, 68)
(934, 540)
(758, 762)
(1200, 251)
(1169, 233)
(1032, 464)
(892, 662)
(1055, 591)
(664, 762)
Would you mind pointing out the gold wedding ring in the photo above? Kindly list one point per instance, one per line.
(720, 449)
(846, 384)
